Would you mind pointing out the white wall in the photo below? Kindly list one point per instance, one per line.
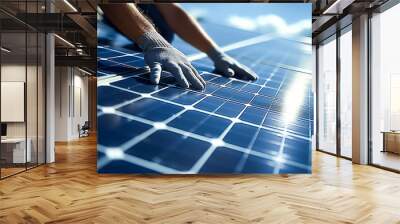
(71, 94)
(81, 89)
(13, 100)
(14, 73)
(62, 81)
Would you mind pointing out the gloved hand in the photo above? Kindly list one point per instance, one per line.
(160, 55)
(229, 67)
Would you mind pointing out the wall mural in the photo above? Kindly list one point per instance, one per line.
(234, 98)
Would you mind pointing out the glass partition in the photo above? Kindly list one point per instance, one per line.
(22, 88)
(32, 99)
(346, 92)
(327, 95)
(14, 153)
(41, 97)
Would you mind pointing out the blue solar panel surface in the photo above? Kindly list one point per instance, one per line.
(232, 126)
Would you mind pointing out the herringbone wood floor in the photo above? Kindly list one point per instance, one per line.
(70, 191)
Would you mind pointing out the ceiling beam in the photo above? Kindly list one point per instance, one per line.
(337, 7)
(78, 61)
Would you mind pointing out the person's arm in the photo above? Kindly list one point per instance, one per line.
(158, 53)
(191, 31)
(127, 19)
(185, 26)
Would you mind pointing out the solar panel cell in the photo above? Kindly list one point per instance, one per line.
(261, 101)
(230, 109)
(267, 142)
(114, 130)
(253, 115)
(241, 135)
(177, 95)
(138, 84)
(151, 109)
(108, 96)
(223, 160)
(121, 166)
(210, 103)
(200, 123)
(251, 88)
(166, 147)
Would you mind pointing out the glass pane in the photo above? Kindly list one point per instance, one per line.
(327, 96)
(13, 86)
(386, 89)
(346, 94)
(32, 87)
(41, 99)
(22, 89)
(32, 98)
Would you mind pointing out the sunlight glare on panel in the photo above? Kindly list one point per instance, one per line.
(294, 98)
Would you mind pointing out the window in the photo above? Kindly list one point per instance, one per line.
(385, 87)
(346, 92)
(327, 96)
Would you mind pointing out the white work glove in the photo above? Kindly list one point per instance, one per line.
(229, 67)
(160, 55)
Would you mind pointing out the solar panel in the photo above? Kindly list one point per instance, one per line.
(233, 126)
